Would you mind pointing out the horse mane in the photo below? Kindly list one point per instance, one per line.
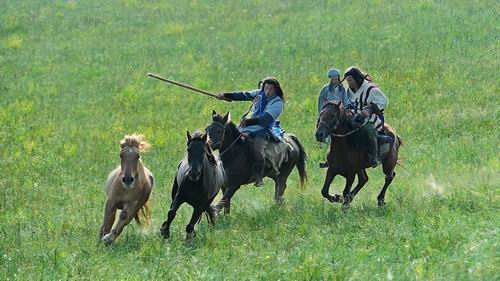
(135, 140)
(231, 127)
(197, 135)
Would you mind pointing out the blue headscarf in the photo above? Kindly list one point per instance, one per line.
(333, 72)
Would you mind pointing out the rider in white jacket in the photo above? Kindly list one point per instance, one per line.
(367, 102)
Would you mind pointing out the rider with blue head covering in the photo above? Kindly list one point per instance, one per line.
(262, 121)
(333, 91)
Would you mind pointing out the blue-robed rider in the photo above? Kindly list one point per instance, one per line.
(333, 91)
(262, 122)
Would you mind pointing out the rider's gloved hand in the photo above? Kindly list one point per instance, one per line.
(359, 118)
(225, 97)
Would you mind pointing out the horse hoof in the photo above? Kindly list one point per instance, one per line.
(280, 201)
(381, 203)
(165, 234)
(190, 237)
(107, 239)
(337, 198)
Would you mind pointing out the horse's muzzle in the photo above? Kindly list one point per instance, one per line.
(194, 174)
(128, 181)
(320, 136)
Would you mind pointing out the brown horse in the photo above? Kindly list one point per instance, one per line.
(347, 156)
(128, 188)
(237, 160)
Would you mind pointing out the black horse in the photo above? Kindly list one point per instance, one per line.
(197, 181)
(347, 156)
(237, 159)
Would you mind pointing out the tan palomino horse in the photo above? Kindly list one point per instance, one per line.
(128, 188)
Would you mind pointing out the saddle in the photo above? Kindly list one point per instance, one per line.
(384, 142)
(276, 153)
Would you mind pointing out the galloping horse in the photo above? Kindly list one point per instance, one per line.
(236, 157)
(347, 156)
(128, 188)
(197, 181)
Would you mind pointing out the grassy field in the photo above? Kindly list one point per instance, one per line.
(72, 84)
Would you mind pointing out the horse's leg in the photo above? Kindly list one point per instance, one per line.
(388, 166)
(225, 201)
(362, 180)
(211, 211)
(109, 218)
(330, 174)
(279, 188)
(349, 179)
(165, 227)
(381, 196)
(190, 227)
(126, 217)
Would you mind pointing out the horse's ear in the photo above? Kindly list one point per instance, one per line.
(204, 138)
(226, 118)
(337, 103)
(188, 135)
(214, 113)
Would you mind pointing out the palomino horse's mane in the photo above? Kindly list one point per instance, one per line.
(198, 136)
(135, 140)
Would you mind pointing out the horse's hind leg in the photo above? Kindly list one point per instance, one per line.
(190, 234)
(279, 189)
(381, 196)
(225, 201)
(109, 218)
(165, 227)
(388, 166)
(362, 180)
(330, 174)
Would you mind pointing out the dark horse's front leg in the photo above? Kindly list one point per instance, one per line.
(362, 180)
(225, 201)
(165, 227)
(330, 174)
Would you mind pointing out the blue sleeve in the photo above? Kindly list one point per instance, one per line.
(321, 99)
(345, 98)
(245, 96)
(266, 120)
(275, 108)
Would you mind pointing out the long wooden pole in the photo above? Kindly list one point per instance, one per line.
(182, 85)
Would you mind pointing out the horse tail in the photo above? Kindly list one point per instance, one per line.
(301, 163)
(143, 215)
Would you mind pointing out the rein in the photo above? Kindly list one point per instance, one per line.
(350, 132)
(330, 129)
(230, 146)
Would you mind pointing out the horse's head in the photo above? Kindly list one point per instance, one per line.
(131, 146)
(197, 149)
(216, 129)
(328, 121)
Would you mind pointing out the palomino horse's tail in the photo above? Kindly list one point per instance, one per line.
(143, 215)
(301, 163)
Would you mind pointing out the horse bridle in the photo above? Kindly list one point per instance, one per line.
(330, 129)
(217, 144)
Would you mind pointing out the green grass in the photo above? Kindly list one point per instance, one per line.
(72, 83)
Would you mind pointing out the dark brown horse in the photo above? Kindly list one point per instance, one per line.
(128, 188)
(197, 181)
(237, 159)
(347, 156)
